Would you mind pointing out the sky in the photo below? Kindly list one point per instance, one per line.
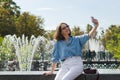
(73, 12)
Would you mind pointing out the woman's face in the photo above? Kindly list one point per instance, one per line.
(65, 29)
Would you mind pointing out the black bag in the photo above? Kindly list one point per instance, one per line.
(91, 71)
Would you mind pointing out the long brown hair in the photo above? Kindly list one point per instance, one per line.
(57, 35)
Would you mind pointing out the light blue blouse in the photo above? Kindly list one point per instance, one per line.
(63, 50)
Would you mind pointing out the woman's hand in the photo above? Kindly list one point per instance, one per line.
(95, 22)
(48, 73)
(52, 70)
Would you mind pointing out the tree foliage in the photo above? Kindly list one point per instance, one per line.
(7, 24)
(111, 40)
(12, 22)
(89, 28)
(6, 50)
(76, 31)
(28, 25)
(11, 7)
(1, 39)
(9, 12)
(49, 34)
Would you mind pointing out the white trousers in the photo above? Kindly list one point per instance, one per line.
(71, 68)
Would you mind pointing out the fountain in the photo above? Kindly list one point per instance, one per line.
(94, 45)
(25, 49)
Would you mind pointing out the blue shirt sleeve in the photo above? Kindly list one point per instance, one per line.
(55, 53)
(83, 39)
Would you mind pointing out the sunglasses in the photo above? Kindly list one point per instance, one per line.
(65, 27)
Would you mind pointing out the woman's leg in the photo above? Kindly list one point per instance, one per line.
(71, 68)
(73, 73)
(75, 67)
(61, 72)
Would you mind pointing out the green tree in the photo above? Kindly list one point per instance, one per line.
(11, 7)
(28, 25)
(6, 50)
(88, 28)
(76, 31)
(49, 34)
(112, 40)
(1, 39)
(7, 25)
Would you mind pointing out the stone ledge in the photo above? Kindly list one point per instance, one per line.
(104, 74)
(42, 77)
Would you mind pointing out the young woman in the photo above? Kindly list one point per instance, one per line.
(68, 49)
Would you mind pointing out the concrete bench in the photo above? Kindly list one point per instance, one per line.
(37, 75)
